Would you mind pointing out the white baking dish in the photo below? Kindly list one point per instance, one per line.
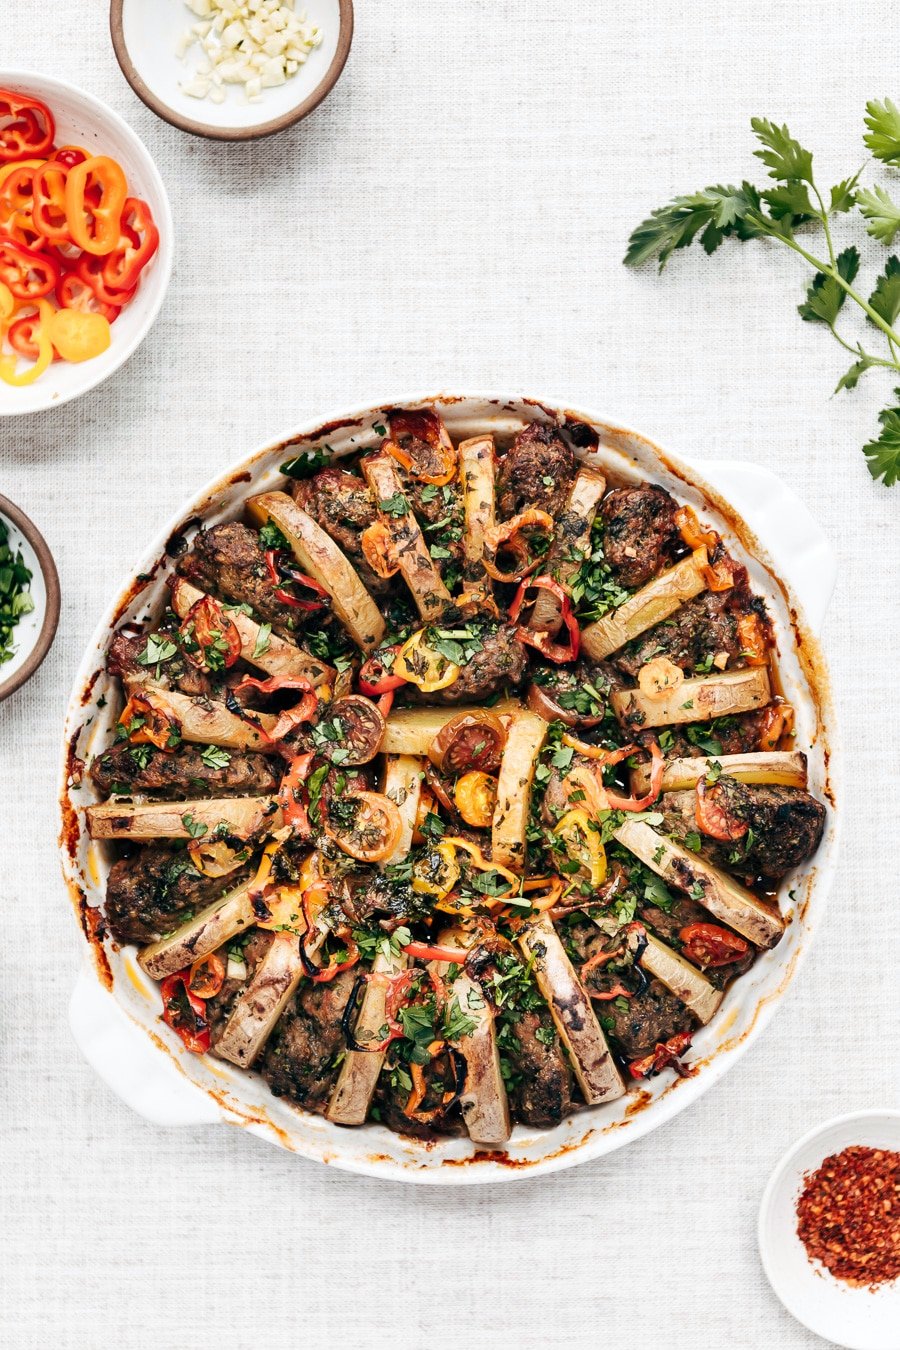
(115, 1008)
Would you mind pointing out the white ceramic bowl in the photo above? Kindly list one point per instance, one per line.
(115, 1009)
(34, 633)
(145, 36)
(83, 120)
(860, 1319)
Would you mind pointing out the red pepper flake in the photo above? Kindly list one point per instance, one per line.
(849, 1215)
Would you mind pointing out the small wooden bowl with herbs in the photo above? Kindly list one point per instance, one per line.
(29, 598)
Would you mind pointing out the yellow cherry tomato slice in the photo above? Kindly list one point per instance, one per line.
(77, 336)
(423, 665)
(582, 843)
(476, 796)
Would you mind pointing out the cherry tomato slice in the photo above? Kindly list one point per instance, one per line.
(207, 976)
(369, 827)
(350, 732)
(713, 816)
(469, 741)
(707, 944)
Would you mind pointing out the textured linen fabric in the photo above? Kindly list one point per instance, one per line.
(453, 216)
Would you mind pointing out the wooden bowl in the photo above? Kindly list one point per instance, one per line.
(144, 37)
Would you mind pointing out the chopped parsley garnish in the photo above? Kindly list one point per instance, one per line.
(214, 757)
(157, 650)
(195, 828)
(263, 640)
(15, 595)
(307, 463)
(397, 505)
(270, 536)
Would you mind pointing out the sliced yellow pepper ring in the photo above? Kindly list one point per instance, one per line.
(582, 843)
(77, 336)
(437, 872)
(285, 906)
(6, 170)
(424, 666)
(7, 302)
(8, 372)
(553, 894)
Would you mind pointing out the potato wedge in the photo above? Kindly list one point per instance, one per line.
(240, 816)
(700, 700)
(724, 897)
(261, 1003)
(573, 1014)
(206, 721)
(352, 1095)
(762, 766)
(571, 543)
(476, 472)
(321, 559)
(270, 652)
(416, 564)
(410, 731)
(525, 737)
(649, 606)
(201, 935)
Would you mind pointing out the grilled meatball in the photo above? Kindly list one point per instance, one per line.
(439, 511)
(785, 826)
(299, 1058)
(537, 470)
(229, 560)
(642, 1021)
(156, 890)
(732, 735)
(577, 694)
(540, 1088)
(697, 632)
(343, 505)
(499, 663)
(141, 768)
(639, 533)
(123, 661)
(391, 1099)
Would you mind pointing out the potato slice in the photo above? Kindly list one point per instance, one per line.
(410, 731)
(700, 700)
(525, 737)
(205, 721)
(416, 564)
(649, 606)
(270, 653)
(762, 766)
(261, 1003)
(321, 559)
(573, 1014)
(724, 897)
(571, 543)
(352, 1095)
(476, 472)
(205, 933)
(240, 816)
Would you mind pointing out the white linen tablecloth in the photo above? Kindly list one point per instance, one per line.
(453, 216)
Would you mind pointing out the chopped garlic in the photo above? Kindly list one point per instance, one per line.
(255, 43)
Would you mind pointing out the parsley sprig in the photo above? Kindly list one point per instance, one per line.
(779, 213)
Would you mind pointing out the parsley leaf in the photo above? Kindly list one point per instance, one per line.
(883, 136)
(214, 757)
(885, 299)
(397, 505)
(157, 650)
(270, 536)
(783, 156)
(306, 464)
(825, 296)
(882, 215)
(195, 828)
(263, 640)
(883, 454)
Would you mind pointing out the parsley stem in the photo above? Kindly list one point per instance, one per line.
(825, 225)
(862, 355)
(835, 275)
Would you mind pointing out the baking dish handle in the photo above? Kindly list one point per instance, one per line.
(121, 1054)
(785, 528)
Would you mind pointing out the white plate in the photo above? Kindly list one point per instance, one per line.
(28, 629)
(860, 1319)
(83, 120)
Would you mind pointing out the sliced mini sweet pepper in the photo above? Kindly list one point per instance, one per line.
(41, 335)
(96, 192)
(138, 241)
(30, 129)
(28, 273)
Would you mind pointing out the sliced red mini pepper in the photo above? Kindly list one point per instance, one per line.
(30, 129)
(375, 679)
(24, 336)
(74, 292)
(17, 194)
(48, 208)
(28, 274)
(663, 1054)
(184, 1012)
(96, 191)
(293, 807)
(90, 269)
(280, 570)
(137, 244)
(69, 155)
(554, 651)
